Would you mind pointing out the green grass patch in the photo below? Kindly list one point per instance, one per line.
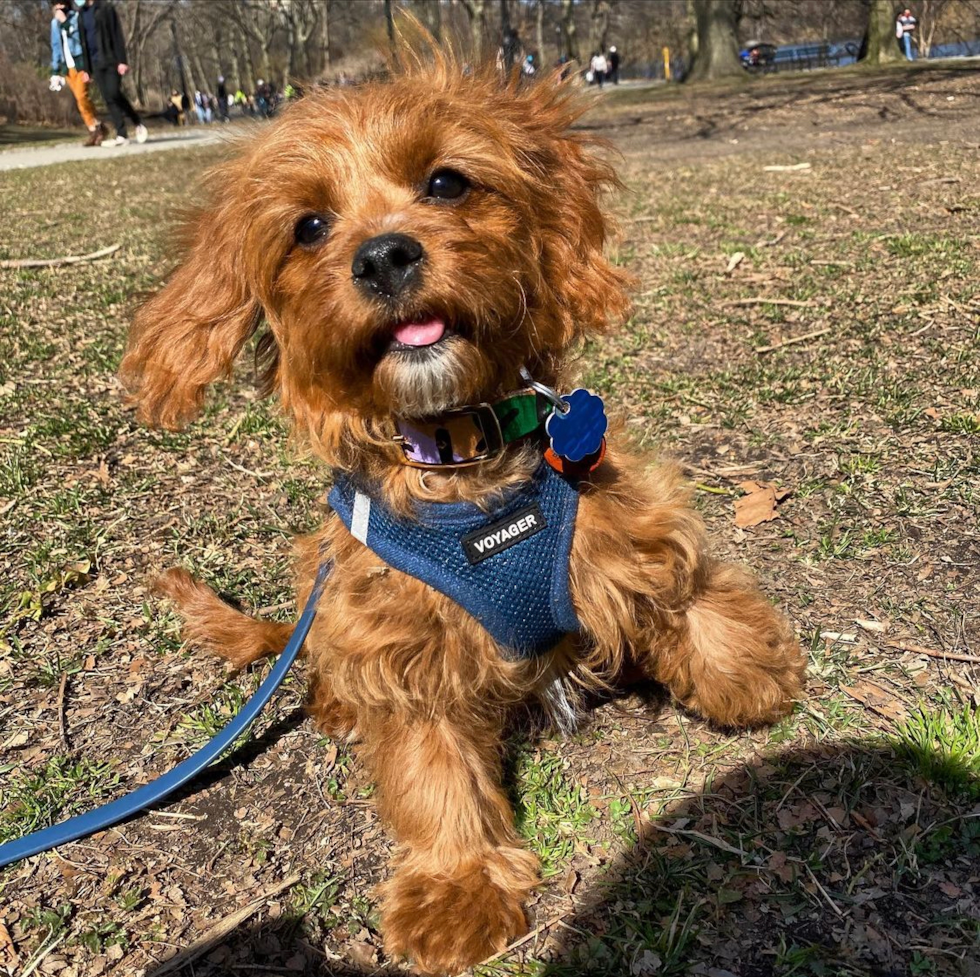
(943, 747)
(63, 786)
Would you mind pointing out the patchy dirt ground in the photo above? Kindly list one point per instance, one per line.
(814, 326)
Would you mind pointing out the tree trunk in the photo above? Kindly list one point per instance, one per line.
(692, 34)
(433, 19)
(599, 28)
(249, 64)
(325, 38)
(882, 45)
(202, 75)
(390, 21)
(185, 82)
(539, 35)
(717, 47)
(506, 41)
(291, 49)
(569, 39)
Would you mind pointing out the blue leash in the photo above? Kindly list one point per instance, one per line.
(148, 795)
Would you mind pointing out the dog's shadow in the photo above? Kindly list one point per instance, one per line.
(825, 860)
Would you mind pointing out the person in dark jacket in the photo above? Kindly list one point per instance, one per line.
(104, 50)
(613, 61)
(67, 62)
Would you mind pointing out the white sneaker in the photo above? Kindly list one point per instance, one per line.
(141, 133)
(115, 141)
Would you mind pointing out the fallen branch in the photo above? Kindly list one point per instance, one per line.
(217, 933)
(62, 729)
(701, 836)
(772, 242)
(793, 341)
(71, 259)
(765, 301)
(554, 921)
(919, 650)
(795, 168)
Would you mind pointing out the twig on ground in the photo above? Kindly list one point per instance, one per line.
(547, 924)
(637, 819)
(272, 608)
(61, 711)
(215, 934)
(793, 341)
(763, 300)
(830, 902)
(771, 242)
(71, 259)
(701, 836)
(929, 652)
(701, 487)
(794, 168)
(43, 953)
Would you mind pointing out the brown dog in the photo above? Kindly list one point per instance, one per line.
(412, 245)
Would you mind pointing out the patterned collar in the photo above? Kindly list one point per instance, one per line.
(473, 433)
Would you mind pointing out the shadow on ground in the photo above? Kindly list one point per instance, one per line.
(16, 135)
(837, 860)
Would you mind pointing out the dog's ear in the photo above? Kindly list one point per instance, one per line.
(190, 332)
(591, 292)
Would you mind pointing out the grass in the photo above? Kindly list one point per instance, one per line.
(60, 788)
(943, 747)
(668, 847)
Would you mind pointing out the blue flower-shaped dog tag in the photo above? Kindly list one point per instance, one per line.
(578, 432)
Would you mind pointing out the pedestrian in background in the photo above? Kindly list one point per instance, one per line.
(68, 62)
(613, 61)
(904, 29)
(104, 49)
(223, 100)
(598, 66)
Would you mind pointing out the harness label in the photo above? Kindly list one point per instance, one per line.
(494, 539)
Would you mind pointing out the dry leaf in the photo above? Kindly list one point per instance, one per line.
(877, 699)
(363, 954)
(759, 505)
(876, 626)
(734, 261)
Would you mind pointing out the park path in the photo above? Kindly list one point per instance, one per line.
(74, 152)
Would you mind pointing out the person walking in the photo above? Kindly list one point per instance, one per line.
(613, 61)
(599, 67)
(905, 26)
(223, 99)
(104, 48)
(68, 62)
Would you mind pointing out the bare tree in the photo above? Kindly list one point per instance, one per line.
(476, 11)
(569, 35)
(879, 46)
(599, 25)
(717, 45)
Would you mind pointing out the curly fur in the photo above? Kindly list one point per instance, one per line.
(518, 268)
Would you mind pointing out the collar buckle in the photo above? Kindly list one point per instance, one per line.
(456, 439)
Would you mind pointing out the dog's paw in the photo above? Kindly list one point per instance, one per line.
(445, 923)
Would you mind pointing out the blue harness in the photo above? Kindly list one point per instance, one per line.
(507, 568)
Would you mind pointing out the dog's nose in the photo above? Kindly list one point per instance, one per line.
(388, 264)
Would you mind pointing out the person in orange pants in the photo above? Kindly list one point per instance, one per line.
(67, 62)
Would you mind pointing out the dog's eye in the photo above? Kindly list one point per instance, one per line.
(311, 229)
(447, 185)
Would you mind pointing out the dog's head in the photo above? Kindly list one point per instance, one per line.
(411, 245)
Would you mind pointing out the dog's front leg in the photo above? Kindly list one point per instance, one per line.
(461, 877)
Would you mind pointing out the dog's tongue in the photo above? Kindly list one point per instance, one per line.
(420, 333)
